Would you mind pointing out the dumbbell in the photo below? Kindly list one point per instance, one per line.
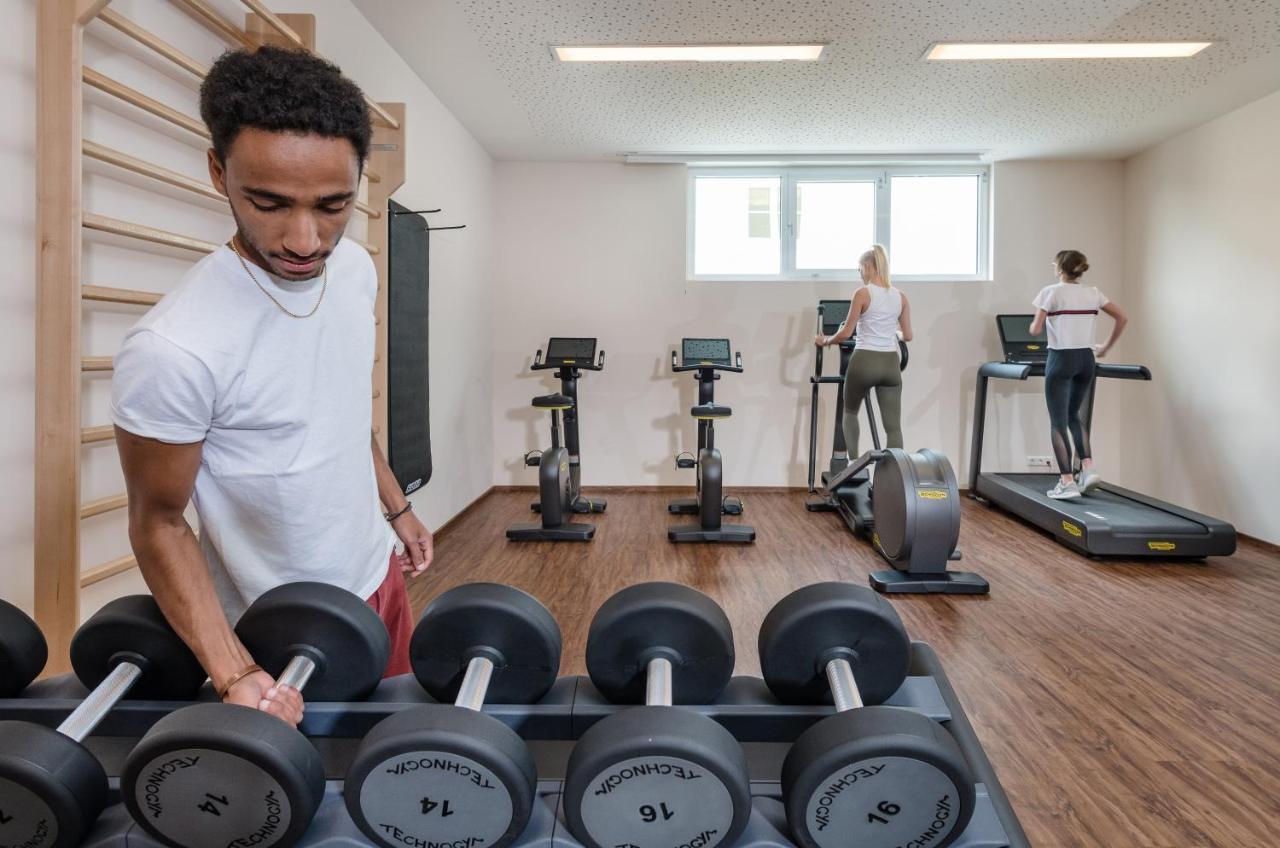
(446, 774)
(23, 651)
(215, 774)
(868, 776)
(658, 775)
(51, 787)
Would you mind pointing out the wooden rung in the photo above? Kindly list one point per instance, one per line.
(154, 42)
(102, 505)
(128, 229)
(367, 209)
(372, 176)
(96, 363)
(275, 22)
(210, 17)
(287, 32)
(118, 89)
(106, 294)
(369, 247)
(102, 153)
(104, 433)
(107, 570)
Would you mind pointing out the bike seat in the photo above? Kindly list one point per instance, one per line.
(556, 401)
(710, 412)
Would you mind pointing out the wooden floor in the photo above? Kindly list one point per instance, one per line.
(1122, 704)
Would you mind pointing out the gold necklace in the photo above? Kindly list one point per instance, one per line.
(323, 285)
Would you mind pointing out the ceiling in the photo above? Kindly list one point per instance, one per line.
(488, 61)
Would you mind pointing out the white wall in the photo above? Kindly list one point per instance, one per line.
(1203, 266)
(599, 249)
(446, 168)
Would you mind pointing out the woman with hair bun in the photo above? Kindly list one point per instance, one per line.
(1070, 310)
(881, 315)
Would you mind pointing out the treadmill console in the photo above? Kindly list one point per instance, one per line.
(706, 352)
(563, 351)
(1020, 346)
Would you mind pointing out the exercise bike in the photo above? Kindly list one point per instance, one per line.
(560, 467)
(909, 511)
(706, 357)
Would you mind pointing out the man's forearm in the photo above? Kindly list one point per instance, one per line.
(389, 492)
(174, 567)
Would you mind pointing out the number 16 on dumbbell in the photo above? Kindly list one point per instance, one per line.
(868, 776)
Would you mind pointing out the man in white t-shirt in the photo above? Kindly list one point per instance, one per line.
(247, 391)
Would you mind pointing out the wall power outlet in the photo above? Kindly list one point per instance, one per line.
(1040, 462)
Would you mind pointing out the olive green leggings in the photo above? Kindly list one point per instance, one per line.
(878, 369)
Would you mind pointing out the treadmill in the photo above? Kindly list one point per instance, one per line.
(1112, 521)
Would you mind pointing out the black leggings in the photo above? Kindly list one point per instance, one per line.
(1068, 376)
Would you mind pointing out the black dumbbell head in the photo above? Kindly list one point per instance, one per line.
(826, 621)
(657, 776)
(505, 625)
(23, 651)
(331, 626)
(214, 775)
(441, 775)
(653, 620)
(51, 788)
(878, 777)
(133, 629)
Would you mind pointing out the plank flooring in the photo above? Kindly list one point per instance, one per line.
(1123, 704)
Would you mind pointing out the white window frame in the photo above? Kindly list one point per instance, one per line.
(881, 176)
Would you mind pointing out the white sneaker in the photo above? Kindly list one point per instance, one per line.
(1064, 491)
(1089, 480)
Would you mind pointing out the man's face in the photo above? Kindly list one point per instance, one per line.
(291, 194)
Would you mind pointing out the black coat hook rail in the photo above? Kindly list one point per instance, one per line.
(428, 212)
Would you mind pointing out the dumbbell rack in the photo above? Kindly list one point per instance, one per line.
(746, 708)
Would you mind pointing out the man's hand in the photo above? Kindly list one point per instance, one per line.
(418, 547)
(259, 691)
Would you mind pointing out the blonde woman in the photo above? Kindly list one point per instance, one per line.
(881, 315)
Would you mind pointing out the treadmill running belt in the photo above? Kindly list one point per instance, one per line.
(1123, 514)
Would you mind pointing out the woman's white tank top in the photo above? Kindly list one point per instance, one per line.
(878, 326)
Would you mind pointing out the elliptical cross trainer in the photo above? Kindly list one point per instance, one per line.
(706, 357)
(912, 518)
(560, 468)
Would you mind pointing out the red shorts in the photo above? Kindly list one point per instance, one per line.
(391, 603)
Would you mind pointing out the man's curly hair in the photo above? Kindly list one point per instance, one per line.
(282, 90)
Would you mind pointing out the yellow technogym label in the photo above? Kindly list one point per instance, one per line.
(932, 494)
(1072, 529)
(1161, 546)
(568, 361)
(875, 539)
(1033, 347)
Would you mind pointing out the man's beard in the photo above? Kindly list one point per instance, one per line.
(264, 256)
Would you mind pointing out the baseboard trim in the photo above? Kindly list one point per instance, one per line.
(1270, 547)
(652, 489)
(444, 529)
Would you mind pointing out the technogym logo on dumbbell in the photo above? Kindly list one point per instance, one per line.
(151, 789)
(463, 770)
(622, 775)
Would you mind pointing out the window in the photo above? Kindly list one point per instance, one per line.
(814, 223)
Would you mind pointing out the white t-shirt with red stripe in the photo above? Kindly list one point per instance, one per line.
(1073, 314)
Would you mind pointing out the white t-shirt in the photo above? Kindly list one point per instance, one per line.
(1073, 314)
(878, 326)
(286, 488)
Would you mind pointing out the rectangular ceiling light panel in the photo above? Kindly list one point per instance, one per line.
(692, 53)
(1066, 50)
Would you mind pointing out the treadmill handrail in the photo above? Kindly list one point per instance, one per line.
(1123, 372)
(1005, 370)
